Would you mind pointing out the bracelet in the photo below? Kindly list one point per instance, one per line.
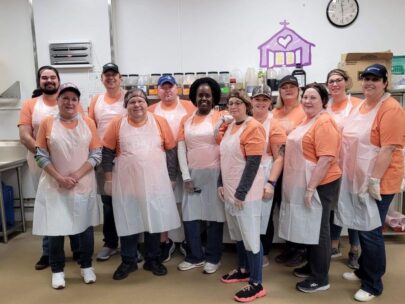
(273, 183)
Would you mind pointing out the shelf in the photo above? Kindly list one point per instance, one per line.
(73, 66)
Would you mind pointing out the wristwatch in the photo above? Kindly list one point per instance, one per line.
(273, 183)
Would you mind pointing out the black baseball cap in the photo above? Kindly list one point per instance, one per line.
(110, 67)
(288, 79)
(376, 70)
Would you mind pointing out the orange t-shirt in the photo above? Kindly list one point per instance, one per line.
(290, 120)
(277, 135)
(111, 138)
(252, 139)
(45, 128)
(107, 98)
(187, 104)
(323, 139)
(389, 129)
(340, 106)
(196, 120)
(28, 109)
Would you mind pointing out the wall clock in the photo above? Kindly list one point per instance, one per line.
(342, 13)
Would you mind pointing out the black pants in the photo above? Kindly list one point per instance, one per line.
(109, 229)
(129, 244)
(319, 255)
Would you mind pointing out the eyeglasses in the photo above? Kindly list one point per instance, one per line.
(235, 103)
(336, 81)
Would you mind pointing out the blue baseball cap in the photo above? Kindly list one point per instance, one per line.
(376, 70)
(166, 79)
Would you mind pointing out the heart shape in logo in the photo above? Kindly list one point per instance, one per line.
(284, 41)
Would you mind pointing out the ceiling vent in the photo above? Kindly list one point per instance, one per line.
(70, 54)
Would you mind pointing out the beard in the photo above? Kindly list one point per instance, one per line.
(49, 91)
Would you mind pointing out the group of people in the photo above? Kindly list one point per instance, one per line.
(325, 159)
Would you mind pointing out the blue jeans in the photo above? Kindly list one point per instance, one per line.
(57, 253)
(252, 262)
(372, 259)
(129, 245)
(109, 229)
(336, 230)
(213, 250)
(74, 244)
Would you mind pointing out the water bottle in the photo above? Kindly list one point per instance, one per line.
(272, 82)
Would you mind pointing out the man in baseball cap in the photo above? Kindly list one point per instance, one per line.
(110, 67)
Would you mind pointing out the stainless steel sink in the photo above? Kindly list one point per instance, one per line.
(11, 151)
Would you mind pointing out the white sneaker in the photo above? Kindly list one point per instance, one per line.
(187, 266)
(265, 261)
(88, 275)
(351, 276)
(106, 253)
(58, 280)
(210, 267)
(363, 296)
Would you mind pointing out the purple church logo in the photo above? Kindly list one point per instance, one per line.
(285, 47)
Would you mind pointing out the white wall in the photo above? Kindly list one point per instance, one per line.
(16, 58)
(193, 35)
(74, 20)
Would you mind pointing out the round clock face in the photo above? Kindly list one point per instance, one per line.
(342, 13)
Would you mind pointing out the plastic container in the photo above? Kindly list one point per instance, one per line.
(8, 200)
(224, 82)
(201, 75)
(214, 75)
(272, 82)
(250, 80)
(143, 83)
(179, 80)
(124, 81)
(132, 81)
(301, 76)
(238, 76)
(189, 78)
(153, 84)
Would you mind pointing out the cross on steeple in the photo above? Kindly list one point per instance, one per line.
(285, 23)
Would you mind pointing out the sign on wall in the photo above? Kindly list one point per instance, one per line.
(285, 47)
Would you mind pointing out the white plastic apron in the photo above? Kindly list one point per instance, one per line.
(174, 117)
(265, 165)
(356, 208)
(340, 116)
(59, 211)
(40, 111)
(243, 224)
(104, 113)
(298, 223)
(143, 198)
(203, 162)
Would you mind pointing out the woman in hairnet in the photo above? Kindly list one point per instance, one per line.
(241, 188)
(143, 150)
(68, 148)
(373, 167)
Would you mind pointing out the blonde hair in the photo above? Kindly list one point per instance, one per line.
(280, 103)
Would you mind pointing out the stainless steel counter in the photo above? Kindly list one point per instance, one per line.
(12, 157)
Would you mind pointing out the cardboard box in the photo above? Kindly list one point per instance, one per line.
(355, 63)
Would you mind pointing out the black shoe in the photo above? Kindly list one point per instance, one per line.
(235, 276)
(123, 270)
(156, 267)
(42, 263)
(310, 286)
(76, 256)
(299, 257)
(167, 249)
(284, 256)
(249, 293)
(303, 272)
